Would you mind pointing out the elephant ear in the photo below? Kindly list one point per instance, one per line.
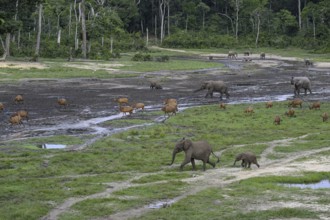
(187, 144)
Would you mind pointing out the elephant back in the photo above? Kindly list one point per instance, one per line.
(300, 81)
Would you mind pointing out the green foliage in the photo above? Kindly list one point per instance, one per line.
(192, 24)
(36, 180)
(141, 57)
(198, 40)
(164, 58)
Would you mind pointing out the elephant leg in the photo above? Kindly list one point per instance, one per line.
(192, 160)
(210, 92)
(220, 95)
(305, 91)
(243, 163)
(249, 165)
(187, 160)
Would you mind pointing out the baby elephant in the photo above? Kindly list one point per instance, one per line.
(247, 158)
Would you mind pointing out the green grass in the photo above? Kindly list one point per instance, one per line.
(247, 199)
(35, 180)
(150, 66)
(54, 69)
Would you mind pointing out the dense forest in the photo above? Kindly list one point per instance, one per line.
(101, 29)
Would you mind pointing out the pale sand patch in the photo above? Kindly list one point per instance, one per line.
(21, 65)
(322, 64)
(95, 66)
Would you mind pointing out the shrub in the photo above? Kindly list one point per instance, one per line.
(141, 57)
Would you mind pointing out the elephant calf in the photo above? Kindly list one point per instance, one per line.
(247, 158)
(199, 150)
(156, 85)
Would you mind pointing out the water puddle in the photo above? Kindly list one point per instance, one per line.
(52, 146)
(160, 204)
(262, 99)
(323, 184)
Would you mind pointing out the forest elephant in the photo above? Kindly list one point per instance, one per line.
(301, 83)
(214, 86)
(197, 150)
(155, 84)
(308, 62)
(262, 56)
(247, 158)
(232, 55)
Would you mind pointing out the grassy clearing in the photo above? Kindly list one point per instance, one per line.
(36, 180)
(255, 198)
(102, 69)
(173, 64)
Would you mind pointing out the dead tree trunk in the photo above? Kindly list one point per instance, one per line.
(258, 29)
(162, 8)
(36, 54)
(299, 13)
(236, 25)
(83, 28)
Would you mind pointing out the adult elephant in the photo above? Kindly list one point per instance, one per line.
(214, 86)
(199, 150)
(301, 83)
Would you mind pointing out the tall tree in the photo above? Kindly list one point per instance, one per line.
(299, 14)
(83, 29)
(237, 4)
(162, 12)
(203, 8)
(37, 51)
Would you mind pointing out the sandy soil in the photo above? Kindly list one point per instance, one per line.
(91, 102)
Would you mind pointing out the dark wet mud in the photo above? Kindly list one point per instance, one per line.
(91, 99)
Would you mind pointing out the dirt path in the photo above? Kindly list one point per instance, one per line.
(213, 178)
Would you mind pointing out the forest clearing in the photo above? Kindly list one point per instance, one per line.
(115, 166)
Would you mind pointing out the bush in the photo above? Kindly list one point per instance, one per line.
(198, 40)
(141, 57)
(164, 58)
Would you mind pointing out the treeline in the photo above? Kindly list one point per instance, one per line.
(101, 29)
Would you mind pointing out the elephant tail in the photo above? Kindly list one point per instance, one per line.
(216, 157)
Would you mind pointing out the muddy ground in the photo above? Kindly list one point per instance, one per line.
(91, 99)
(91, 103)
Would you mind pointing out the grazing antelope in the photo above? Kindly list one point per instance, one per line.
(315, 105)
(249, 110)
(18, 99)
(121, 100)
(269, 104)
(222, 105)
(295, 103)
(62, 102)
(290, 113)
(277, 120)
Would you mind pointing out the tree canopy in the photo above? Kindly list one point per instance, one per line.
(113, 26)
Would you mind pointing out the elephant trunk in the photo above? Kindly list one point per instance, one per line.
(173, 157)
(197, 90)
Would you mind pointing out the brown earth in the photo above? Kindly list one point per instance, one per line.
(91, 102)
(91, 99)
